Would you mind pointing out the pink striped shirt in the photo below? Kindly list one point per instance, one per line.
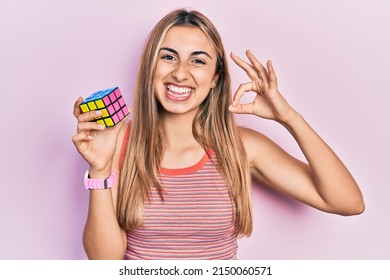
(195, 220)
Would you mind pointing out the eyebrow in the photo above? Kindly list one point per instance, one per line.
(193, 53)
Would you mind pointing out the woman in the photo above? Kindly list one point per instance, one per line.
(179, 174)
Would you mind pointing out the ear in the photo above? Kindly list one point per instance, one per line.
(214, 82)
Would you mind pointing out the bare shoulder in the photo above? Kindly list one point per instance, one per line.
(248, 134)
(256, 144)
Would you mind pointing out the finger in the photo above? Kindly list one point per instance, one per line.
(81, 137)
(272, 74)
(89, 126)
(89, 116)
(242, 108)
(257, 65)
(241, 90)
(76, 108)
(249, 69)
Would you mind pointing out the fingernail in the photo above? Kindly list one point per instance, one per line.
(234, 103)
(101, 126)
(98, 112)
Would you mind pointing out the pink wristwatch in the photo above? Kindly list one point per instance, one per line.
(95, 184)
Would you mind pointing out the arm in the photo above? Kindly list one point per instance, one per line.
(324, 183)
(103, 238)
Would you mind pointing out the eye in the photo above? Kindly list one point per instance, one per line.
(198, 61)
(168, 57)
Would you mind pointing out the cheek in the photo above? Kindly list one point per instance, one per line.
(162, 69)
(158, 77)
(205, 76)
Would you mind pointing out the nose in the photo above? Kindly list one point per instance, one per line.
(181, 72)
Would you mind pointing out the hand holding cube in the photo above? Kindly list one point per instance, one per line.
(97, 144)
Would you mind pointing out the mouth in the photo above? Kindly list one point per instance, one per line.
(178, 93)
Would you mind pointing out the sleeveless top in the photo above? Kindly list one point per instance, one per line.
(194, 221)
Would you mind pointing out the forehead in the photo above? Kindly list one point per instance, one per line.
(187, 38)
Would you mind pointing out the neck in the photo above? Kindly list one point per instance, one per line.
(178, 131)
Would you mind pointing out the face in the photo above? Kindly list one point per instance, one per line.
(185, 70)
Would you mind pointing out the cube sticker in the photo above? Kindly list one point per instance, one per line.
(110, 102)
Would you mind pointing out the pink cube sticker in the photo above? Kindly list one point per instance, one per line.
(115, 118)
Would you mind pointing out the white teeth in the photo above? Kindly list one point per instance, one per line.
(178, 91)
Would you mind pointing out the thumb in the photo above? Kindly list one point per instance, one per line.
(242, 108)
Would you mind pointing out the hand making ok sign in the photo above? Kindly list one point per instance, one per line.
(268, 103)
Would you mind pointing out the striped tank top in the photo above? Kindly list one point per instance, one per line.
(194, 221)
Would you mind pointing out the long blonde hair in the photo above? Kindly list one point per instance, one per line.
(213, 127)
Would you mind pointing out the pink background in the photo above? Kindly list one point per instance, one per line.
(332, 59)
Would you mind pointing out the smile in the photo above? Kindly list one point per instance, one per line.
(178, 93)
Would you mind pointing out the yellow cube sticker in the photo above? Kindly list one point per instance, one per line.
(99, 104)
(84, 108)
(109, 122)
(100, 122)
(104, 113)
(92, 105)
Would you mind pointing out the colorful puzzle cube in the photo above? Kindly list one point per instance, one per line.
(110, 102)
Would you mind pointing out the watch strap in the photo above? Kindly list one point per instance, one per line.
(97, 184)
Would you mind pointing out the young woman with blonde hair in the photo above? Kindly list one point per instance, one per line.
(179, 174)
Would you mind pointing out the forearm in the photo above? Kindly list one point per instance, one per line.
(333, 181)
(103, 237)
